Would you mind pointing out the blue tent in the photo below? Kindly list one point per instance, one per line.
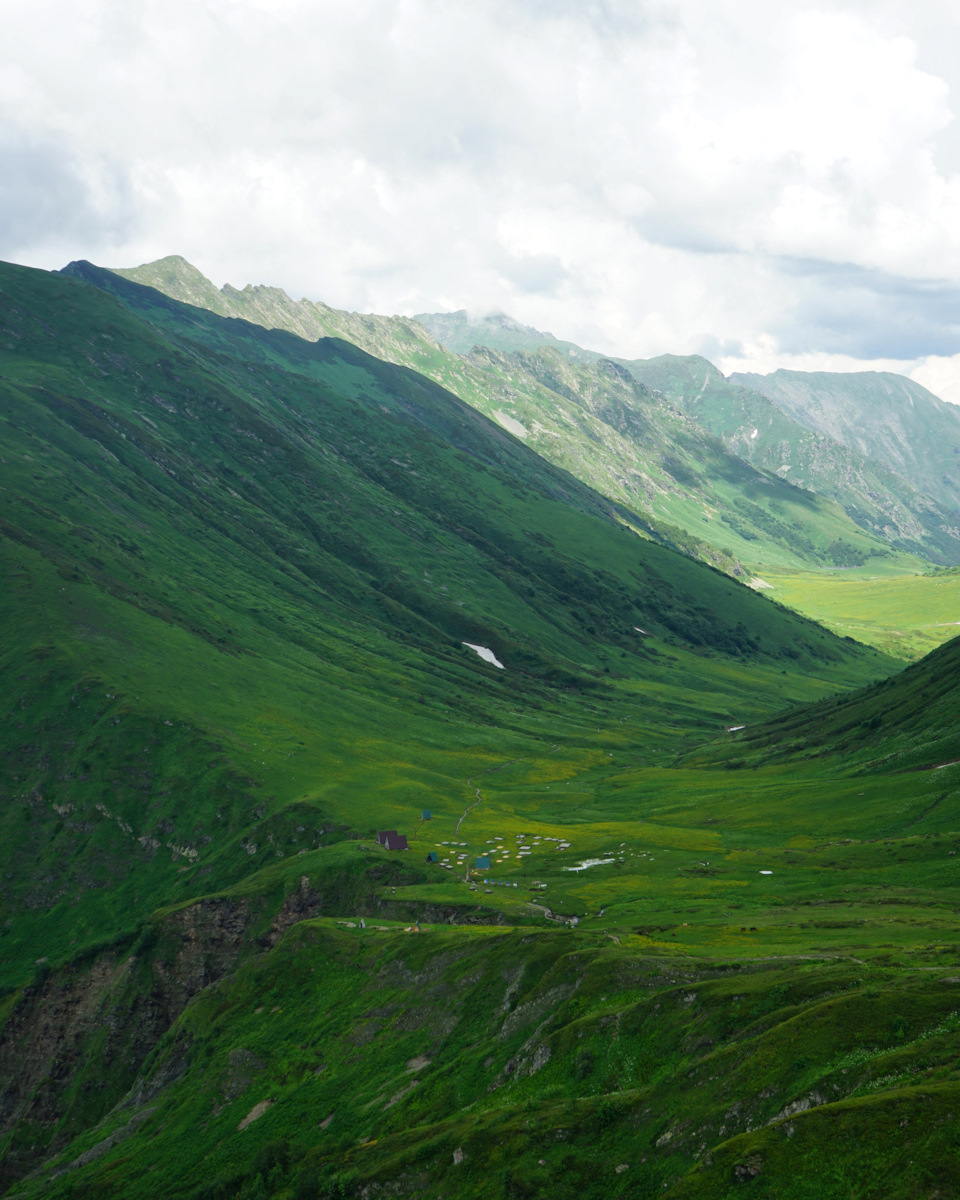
(483, 862)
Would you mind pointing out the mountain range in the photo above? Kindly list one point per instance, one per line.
(268, 594)
(669, 436)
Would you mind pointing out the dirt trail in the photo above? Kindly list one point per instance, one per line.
(490, 771)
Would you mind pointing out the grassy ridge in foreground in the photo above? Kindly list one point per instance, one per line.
(519, 1061)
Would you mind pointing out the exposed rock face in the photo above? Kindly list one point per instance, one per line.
(85, 1031)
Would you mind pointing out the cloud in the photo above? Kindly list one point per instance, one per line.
(843, 309)
(46, 195)
(639, 177)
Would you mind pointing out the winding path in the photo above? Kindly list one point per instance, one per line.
(490, 771)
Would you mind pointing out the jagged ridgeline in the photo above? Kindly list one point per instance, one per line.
(641, 435)
(880, 445)
(240, 574)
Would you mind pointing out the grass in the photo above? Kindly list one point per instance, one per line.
(236, 593)
(906, 615)
(683, 486)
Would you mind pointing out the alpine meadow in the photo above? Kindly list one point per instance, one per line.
(652, 669)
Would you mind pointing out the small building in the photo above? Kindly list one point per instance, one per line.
(482, 862)
(433, 856)
(384, 834)
(391, 840)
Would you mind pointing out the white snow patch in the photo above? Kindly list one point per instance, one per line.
(486, 654)
(734, 728)
(590, 862)
(754, 434)
(517, 428)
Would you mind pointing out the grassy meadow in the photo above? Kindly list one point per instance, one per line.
(905, 614)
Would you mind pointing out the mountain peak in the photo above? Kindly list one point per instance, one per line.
(460, 332)
(179, 279)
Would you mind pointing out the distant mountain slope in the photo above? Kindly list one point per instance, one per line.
(460, 332)
(908, 494)
(596, 420)
(880, 415)
(751, 424)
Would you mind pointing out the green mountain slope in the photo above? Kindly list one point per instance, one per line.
(632, 445)
(235, 548)
(239, 570)
(880, 415)
(590, 417)
(894, 473)
(906, 723)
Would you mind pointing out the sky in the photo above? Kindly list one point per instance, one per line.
(767, 184)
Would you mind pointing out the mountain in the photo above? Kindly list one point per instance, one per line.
(876, 497)
(879, 415)
(460, 332)
(881, 446)
(244, 578)
(263, 540)
(599, 422)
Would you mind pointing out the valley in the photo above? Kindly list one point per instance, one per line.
(905, 615)
(717, 949)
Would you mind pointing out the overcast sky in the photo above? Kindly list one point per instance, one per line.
(769, 184)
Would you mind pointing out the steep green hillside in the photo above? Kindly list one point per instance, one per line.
(893, 473)
(880, 415)
(587, 415)
(894, 506)
(906, 723)
(240, 569)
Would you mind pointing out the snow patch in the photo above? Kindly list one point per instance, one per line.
(486, 654)
(754, 434)
(517, 428)
(590, 862)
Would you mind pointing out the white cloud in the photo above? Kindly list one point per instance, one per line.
(941, 375)
(668, 176)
